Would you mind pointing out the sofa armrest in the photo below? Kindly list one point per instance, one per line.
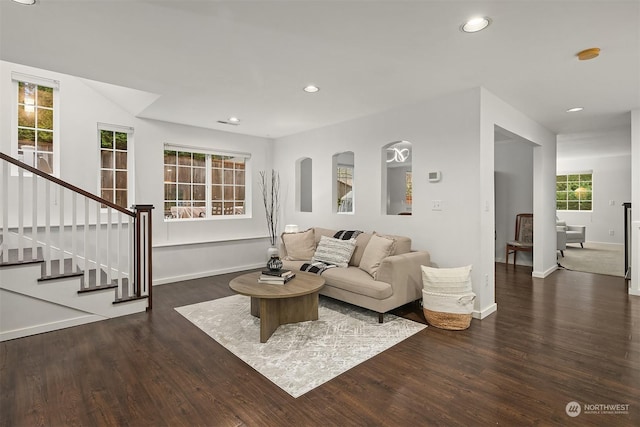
(403, 272)
(579, 228)
(562, 239)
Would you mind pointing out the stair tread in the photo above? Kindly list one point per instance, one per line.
(130, 298)
(27, 258)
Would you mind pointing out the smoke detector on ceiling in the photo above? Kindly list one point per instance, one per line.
(587, 54)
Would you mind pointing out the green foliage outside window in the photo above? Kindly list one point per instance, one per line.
(574, 192)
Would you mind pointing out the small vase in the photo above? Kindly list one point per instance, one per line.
(274, 263)
(273, 252)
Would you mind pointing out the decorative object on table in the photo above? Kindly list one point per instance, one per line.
(283, 272)
(270, 187)
(447, 298)
(269, 277)
(274, 263)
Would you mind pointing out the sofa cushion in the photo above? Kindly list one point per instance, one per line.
(446, 280)
(334, 251)
(319, 232)
(361, 244)
(299, 246)
(352, 279)
(378, 248)
(402, 246)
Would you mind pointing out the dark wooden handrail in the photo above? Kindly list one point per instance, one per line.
(66, 184)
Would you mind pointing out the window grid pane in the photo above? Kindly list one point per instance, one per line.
(574, 192)
(35, 125)
(198, 185)
(113, 167)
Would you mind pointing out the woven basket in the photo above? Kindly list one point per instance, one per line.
(450, 321)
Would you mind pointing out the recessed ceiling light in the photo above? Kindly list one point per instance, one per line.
(234, 120)
(476, 24)
(311, 88)
(587, 54)
(25, 1)
(575, 109)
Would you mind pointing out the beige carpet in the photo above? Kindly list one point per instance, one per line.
(601, 258)
(300, 356)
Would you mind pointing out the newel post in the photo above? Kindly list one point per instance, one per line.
(143, 252)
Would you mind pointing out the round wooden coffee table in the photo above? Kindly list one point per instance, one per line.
(275, 305)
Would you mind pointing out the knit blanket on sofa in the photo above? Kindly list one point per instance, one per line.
(319, 267)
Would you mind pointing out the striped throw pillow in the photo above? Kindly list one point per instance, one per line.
(334, 251)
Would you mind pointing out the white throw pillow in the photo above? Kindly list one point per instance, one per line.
(378, 248)
(299, 246)
(446, 280)
(334, 251)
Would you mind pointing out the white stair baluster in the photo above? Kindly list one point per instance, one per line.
(119, 255)
(85, 250)
(20, 214)
(61, 229)
(47, 229)
(34, 217)
(109, 246)
(98, 226)
(5, 211)
(74, 233)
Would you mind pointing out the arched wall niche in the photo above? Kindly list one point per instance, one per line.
(304, 184)
(397, 187)
(343, 189)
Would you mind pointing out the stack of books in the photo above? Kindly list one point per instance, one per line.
(276, 277)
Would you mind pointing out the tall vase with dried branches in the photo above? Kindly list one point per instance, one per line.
(270, 187)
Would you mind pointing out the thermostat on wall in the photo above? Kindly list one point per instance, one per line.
(434, 176)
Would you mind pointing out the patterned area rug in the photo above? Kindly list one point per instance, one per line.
(300, 356)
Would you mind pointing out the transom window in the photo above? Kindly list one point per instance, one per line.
(36, 125)
(574, 192)
(204, 185)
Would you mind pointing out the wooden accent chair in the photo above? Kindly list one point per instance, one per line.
(523, 238)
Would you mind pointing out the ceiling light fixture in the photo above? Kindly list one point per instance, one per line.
(311, 88)
(229, 122)
(476, 24)
(234, 120)
(575, 109)
(587, 54)
(27, 2)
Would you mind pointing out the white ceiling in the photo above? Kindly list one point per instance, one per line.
(205, 61)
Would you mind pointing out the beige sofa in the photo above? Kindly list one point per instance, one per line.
(395, 281)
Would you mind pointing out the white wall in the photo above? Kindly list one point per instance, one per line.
(444, 134)
(496, 112)
(611, 187)
(513, 193)
(634, 285)
(187, 249)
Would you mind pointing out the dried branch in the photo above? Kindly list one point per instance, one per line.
(271, 198)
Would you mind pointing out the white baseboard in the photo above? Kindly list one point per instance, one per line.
(485, 313)
(542, 275)
(48, 327)
(165, 280)
(635, 292)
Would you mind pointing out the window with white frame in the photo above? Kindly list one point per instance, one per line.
(36, 124)
(115, 163)
(201, 184)
(574, 192)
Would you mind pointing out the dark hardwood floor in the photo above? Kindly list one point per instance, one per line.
(570, 337)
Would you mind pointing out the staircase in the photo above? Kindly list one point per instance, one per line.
(67, 257)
